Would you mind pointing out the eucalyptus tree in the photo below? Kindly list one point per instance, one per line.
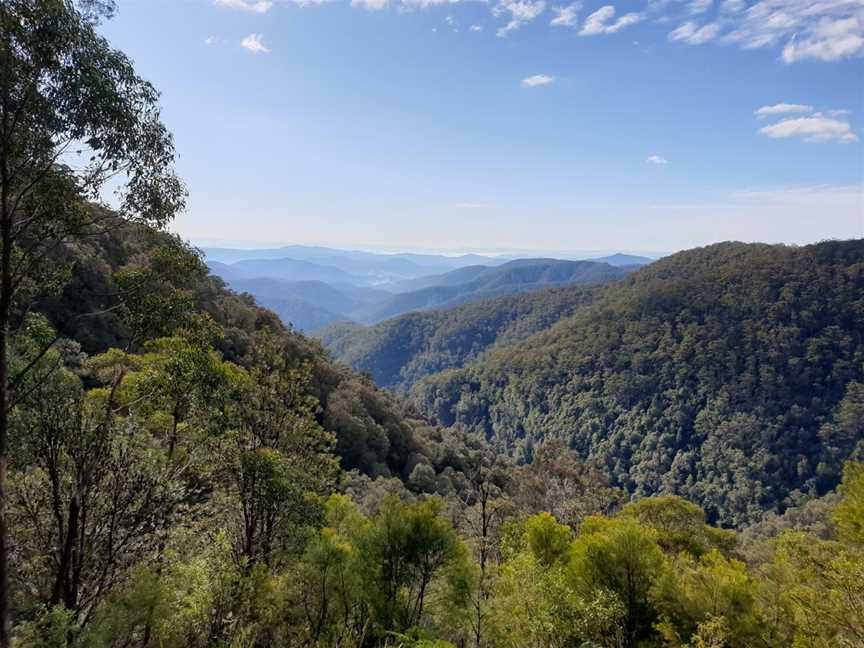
(75, 119)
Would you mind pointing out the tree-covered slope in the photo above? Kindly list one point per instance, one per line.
(729, 374)
(400, 351)
(373, 433)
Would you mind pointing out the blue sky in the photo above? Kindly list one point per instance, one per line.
(510, 124)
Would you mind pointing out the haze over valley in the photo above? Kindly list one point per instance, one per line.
(312, 287)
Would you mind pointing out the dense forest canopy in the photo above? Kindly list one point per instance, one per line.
(180, 469)
(399, 352)
(731, 375)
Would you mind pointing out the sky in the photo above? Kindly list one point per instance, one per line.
(509, 124)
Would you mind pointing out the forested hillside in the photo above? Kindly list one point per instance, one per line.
(729, 374)
(400, 351)
(371, 430)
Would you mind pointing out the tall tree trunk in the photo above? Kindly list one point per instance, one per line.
(5, 306)
(64, 590)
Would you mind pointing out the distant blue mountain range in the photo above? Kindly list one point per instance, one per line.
(312, 287)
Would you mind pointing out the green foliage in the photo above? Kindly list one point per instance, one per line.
(849, 514)
(547, 540)
(535, 605)
(680, 525)
(706, 599)
(400, 571)
(822, 590)
(622, 557)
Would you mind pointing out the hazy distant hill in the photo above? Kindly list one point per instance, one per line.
(369, 267)
(300, 314)
(451, 278)
(284, 269)
(308, 305)
(478, 282)
(624, 260)
(311, 294)
(339, 298)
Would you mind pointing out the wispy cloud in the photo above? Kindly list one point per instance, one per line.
(699, 6)
(782, 109)
(600, 22)
(828, 40)
(816, 128)
(566, 16)
(800, 30)
(424, 4)
(657, 159)
(254, 43)
(370, 5)
(809, 195)
(519, 12)
(694, 34)
(537, 80)
(252, 6)
(829, 30)
(211, 40)
(820, 30)
(733, 6)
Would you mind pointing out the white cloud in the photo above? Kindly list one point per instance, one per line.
(781, 109)
(476, 28)
(699, 6)
(370, 5)
(566, 16)
(424, 4)
(657, 159)
(828, 40)
(211, 40)
(818, 30)
(599, 21)
(520, 12)
(816, 128)
(822, 30)
(537, 80)
(253, 6)
(253, 43)
(694, 34)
